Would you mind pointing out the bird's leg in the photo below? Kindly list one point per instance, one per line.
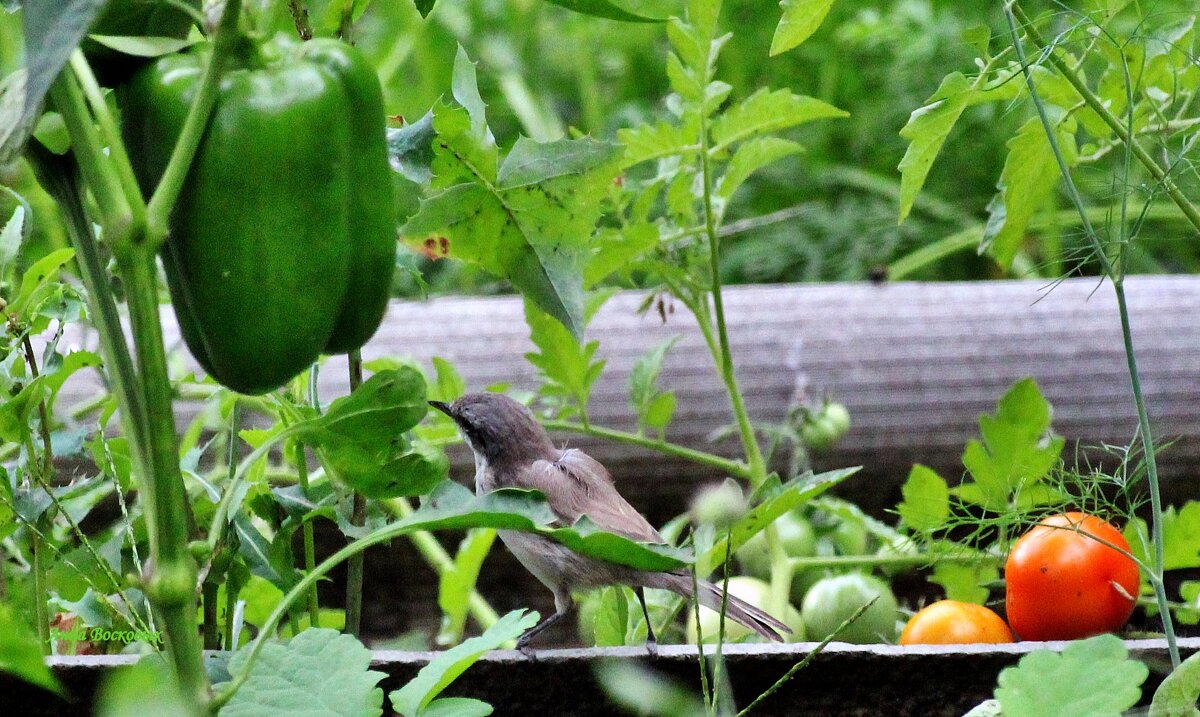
(651, 641)
(563, 605)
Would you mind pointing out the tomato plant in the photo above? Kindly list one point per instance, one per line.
(953, 622)
(1067, 579)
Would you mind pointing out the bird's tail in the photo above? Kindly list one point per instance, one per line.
(736, 609)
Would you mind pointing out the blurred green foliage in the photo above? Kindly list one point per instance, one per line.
(828, 214)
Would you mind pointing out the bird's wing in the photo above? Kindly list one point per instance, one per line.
(576, 484)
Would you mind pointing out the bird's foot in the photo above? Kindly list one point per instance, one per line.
(652, 648)
(527, 650)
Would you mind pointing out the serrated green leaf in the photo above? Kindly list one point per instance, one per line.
(660, 411)
(614, 250)
(800, 20)
(1091, 677)
(1016, 451)
(926, 503)
(965, 582)
(926, 132)
(532, 163)
(978, 36)
(411, 699)
(643, 388)
(449, 384)
(43, 271)
(529, 221)
(563, 361)
(21, 655)
(1178, 693)
(1027, 183)
(655, 141)
(319, 671)
(458, 580)
(751, 156)
(410, 149)
(453, 507)
(1181, 536)
(768, 111)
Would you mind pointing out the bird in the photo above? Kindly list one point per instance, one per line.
(513, 450)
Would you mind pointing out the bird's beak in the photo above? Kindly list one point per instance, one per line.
(443, 407)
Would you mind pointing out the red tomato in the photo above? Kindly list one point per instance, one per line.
(950, 622)
(1064, 584)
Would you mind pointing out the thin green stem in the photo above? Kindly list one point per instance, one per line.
(705, 689)
(736, 469)
(1101, 109)
(310, 552)
(436, 557)
(358, 516)
(158, 209)
(807, 659)
(1011, 12)
(172, 582)
(98, 172)
(112, 136)
(40, 591)
(754, 459)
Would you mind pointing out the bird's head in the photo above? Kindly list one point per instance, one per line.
(497, 427)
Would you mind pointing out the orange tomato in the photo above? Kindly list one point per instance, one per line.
(950, 622)
(1063, 583)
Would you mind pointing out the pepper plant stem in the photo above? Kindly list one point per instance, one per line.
(310, 560)
(358, 516)
(158, 209)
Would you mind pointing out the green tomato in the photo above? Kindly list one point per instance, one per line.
(838, 417)
(823, 428)
(796, 536)
(850, 537)
(757, 593)
(833, 600)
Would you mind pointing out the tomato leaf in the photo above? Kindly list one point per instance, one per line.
(926, 132)
(1093, 677)
(964, 582)
(926, 504)
(1027, 182)
(654, 407)
(1017, 450)
(799, 21)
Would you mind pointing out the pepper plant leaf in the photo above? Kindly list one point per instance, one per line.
(412, 699)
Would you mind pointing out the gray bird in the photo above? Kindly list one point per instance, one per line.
(512, 450)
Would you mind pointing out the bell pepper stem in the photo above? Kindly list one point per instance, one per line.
(158, 210)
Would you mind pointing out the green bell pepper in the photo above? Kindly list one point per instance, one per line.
(282, 244)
